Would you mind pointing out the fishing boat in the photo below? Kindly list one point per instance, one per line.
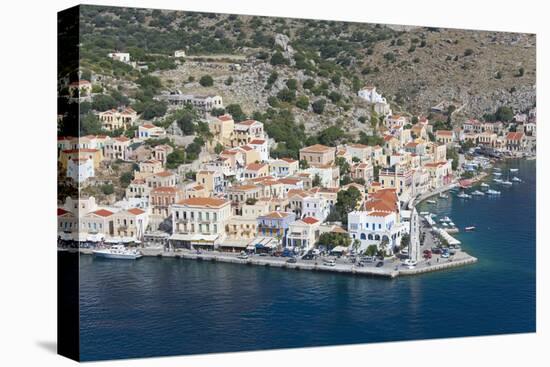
(516, 179)
(493, 192)
(497, 174)
(478, 193)
(484, 185)
(463, 195)
(497, 180)
(507, 183)
(431, 201)
(451, 224)
(470, 228)
(514, 169)
(443, 196)
(445, 219)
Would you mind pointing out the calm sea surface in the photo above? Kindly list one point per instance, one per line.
(155, 307)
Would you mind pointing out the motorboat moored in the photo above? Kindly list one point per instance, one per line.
(478, 193)
(493, 192)
(119, 252)
(470, 228)
(516, 179)
(463, 195)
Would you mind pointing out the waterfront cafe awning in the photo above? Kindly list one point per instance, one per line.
(96, 237)
(195, 238)
(66, 236)
(338, 249)
(80, 237)
(115, 239)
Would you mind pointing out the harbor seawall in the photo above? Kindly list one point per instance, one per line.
(384, 272)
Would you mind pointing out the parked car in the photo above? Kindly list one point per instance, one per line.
(379, 264)
(242, 256)
(367, 259)
(445, 255)
(292, 260)
(329, 262)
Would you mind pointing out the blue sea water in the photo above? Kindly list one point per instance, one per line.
(157, 307)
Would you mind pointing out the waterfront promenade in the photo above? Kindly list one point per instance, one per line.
(392, 267)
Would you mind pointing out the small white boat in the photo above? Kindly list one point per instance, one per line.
(445, 224)
(424, 213)
(516, 179)
(463, 195)
(496, 169)
(497, 173)
(483, 184)
(478, 193)
(443, 196)
(493, 192)
(470, 229)
(119, 252)
(451, 224)
(508, 183)
(497, 180)
(445, 219)
(431, 201)
(514, 169)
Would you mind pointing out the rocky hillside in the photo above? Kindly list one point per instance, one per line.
(260, 62)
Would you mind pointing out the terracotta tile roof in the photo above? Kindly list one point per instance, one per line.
(310, 220)
(514, 136)
(122, 139)
(317, 148)
(247, 122)
(61, 211)
(248, 148)
(288, 160)
(379, 214)
(257, 142)
(70, 151)
(148, 126)
(103, 213)
(136, 211)
(164, 174)
(289, 181)
(225, 118)
(358, 146)
(275, 215)
(255, 166)
(204, 202)
(164, 189)
(244, 188)
(444, 132)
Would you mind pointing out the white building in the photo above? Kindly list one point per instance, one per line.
(369, 94)
(80, 169)
(120, 56)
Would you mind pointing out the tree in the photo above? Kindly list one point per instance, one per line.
(504, 113)
(126, 178)
(90, 125)
(371, 250)
(331, 240)
(355, 245)
(346, 201)
(229, 81)
(319, 106)
(308, 84)
(468, 52)
(286, 95)
(218, 148)
(405, 240)
(107, 189)
(278, 59)
(330, 135)
(292, 84)
(316, 182)
(236, 111)
(206, 81)
(103, 102)
(453, 154)
(302, 102)
(303, 164)
(521, 72)
(335, 96)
